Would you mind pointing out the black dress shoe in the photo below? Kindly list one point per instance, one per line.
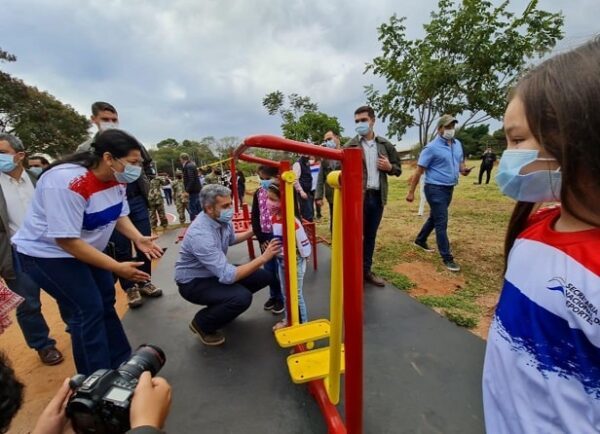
(374, 280)
(50, 356)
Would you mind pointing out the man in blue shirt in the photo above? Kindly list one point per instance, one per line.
(441, 160)
(205, 276)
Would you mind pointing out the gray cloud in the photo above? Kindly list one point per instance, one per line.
(188, 69)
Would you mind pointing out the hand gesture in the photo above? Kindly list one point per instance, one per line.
(272, 250)
(130, 271)
(384, 164)
(149, 247)
(410, 197)
(303, 195)
(319, 202)
(53, 419)
(151, 402)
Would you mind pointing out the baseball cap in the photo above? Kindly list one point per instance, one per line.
(446, 120)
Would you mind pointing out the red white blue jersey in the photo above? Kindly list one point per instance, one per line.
(302, 242)
(70, 202)
(542, 363)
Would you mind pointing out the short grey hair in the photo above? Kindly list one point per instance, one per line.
(13, 141)
(208, 195)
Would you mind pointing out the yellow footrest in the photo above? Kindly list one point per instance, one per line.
(311, 365)
(302, 333)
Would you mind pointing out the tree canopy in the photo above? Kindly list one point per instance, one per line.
(470, 56)
(43, 123)
(301, 119)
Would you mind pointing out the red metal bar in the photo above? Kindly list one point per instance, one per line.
(284, 167)
(333, 420)
(281, 144)
(352, 216)
(258, 160)
(251, 239)
(234, 186)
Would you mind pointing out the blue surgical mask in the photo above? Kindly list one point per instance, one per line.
(129, 175)
(226, 215)
(7, 163)
(266, 183)
(538, 186)
(362, 128)
(37, 171)
(330, 144)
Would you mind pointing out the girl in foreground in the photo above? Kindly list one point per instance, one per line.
(542, 364)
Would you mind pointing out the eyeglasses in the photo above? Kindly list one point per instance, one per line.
(356, 121)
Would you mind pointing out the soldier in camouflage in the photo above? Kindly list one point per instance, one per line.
(181, 198)
(156, 204)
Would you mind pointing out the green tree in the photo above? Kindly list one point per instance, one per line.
(471, 54)
(171, 143)
(474, 139)
(300, 117)
(43, 123)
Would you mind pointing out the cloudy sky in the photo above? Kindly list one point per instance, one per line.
(195, 68)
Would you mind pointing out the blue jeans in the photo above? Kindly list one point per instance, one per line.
(372, 215)
(439, 198)
(29, 313)
(86, 298)
(275, 287)
(301, 269)
(168, 195)
(139, 216)
(223, 302)
(194, 205)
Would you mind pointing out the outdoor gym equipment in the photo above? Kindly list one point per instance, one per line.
(321, 368)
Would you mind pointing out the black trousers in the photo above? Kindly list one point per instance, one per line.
(223, 302)
(487, 170)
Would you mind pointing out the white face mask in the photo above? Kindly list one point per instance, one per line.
(449, 134)
(103, 126)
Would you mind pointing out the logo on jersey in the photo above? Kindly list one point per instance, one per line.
(575, 300)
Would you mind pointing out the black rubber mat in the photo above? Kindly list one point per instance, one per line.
(422, 373)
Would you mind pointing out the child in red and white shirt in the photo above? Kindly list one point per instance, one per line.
(303, 251)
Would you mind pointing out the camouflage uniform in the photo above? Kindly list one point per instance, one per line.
(156, 203)
(181, 199)
(211, 178)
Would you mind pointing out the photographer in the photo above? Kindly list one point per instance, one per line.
(149, 407)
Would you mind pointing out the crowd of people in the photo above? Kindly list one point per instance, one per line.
(541, 364)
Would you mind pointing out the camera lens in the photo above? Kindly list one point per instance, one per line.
(145, 358)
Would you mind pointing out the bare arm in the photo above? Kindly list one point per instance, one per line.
(143, 243)
(415, 179)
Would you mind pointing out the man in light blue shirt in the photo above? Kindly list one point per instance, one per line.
(205, 276)
(441, 160)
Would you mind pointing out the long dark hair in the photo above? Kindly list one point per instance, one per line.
(116, 142)
(561, 98)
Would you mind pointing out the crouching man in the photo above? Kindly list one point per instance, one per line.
(205, 276)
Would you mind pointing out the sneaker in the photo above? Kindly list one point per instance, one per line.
(281, 324)
(150, 290)
(423, 245)
(210, 339)
(270, 304)
(134, 299)
(278, 307)
(452, 266)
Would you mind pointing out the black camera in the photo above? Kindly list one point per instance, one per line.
(100, 403)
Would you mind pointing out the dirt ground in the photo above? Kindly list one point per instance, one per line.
(41, 382)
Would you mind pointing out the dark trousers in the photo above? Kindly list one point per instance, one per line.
(86, 298)
(439, 198)
(194, 205)
(316, 207)
(168, 195)
(275, 287)
(306, 206)
(330, 216)
(29, 313)
(223, 302)
(487, 170)
(372, 214)
(139, 216)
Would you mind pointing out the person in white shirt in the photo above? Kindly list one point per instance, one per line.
(16, 192)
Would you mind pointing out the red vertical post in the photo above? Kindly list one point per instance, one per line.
(352, 216)
(234, 187)
(285, 166)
